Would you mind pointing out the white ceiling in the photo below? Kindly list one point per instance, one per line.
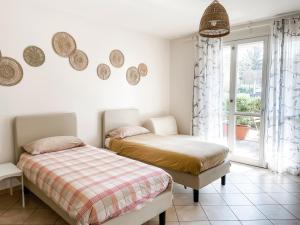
(167, 18)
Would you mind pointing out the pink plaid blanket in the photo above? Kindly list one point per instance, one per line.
(93, 185)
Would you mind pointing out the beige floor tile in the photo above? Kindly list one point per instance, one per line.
(236, 199)
(269, 177)
(257, 222)
(261, 199)
(211, 199)
(42, 216)
(190, 213)
(184, 199)
(285, 222)
(240, 168)
(6, 201)
(247, 213)
(228, 188)
(31, 202)
(249, 188)
(262, 179)
(171, 215)
(195, 223)
(294, 209)
(275, 212)
(292, 187)
(15, 216)
(285, 198)
(225, 222)
(294, 178)
(219, 213)
(238, 179)
(297, 195)
(209, 189)
(271, 188)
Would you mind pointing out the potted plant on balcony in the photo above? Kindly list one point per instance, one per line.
(242, 127)
(244, 103)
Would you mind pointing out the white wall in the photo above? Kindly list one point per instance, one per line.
(181, 82)
(56, 87)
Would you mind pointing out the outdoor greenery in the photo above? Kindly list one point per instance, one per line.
(246, 103)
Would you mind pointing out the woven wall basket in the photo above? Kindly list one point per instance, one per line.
(143, 69)
(34, 56)
(103, 71)
(63, 44)
(78, 60)
(132, 76)
(116, 58)
(11, 72)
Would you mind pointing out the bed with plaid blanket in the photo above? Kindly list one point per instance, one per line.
(93, 185)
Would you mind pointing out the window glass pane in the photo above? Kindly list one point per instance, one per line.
(249, 77)
(247, 136)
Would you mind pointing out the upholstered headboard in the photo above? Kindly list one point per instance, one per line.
(113, 119)
(33, 127)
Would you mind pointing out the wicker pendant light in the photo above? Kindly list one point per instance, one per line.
(214, 22)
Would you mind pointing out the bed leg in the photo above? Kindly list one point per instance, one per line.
(162, 218)
(196, 195)
(223, 180)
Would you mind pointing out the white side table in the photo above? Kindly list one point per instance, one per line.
(9, 171)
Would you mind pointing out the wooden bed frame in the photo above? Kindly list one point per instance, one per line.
(113, 119)
(30, 128)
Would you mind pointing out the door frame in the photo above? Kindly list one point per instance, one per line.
(232, 96)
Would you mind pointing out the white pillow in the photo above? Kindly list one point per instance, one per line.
(128, 131)
(162, 125)
(52, 144)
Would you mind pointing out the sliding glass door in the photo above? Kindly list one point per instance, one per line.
(244, 68)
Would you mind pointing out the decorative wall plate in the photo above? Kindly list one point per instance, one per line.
(34, 56)
(143, 69)
(63, 44)
(116, 58)
(133, 77)
(79, 60)
(11, 72)
(103, 71)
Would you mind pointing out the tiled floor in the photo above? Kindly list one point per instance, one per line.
(252, 196)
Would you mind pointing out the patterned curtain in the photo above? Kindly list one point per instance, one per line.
(283, 105)
(208, 90)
